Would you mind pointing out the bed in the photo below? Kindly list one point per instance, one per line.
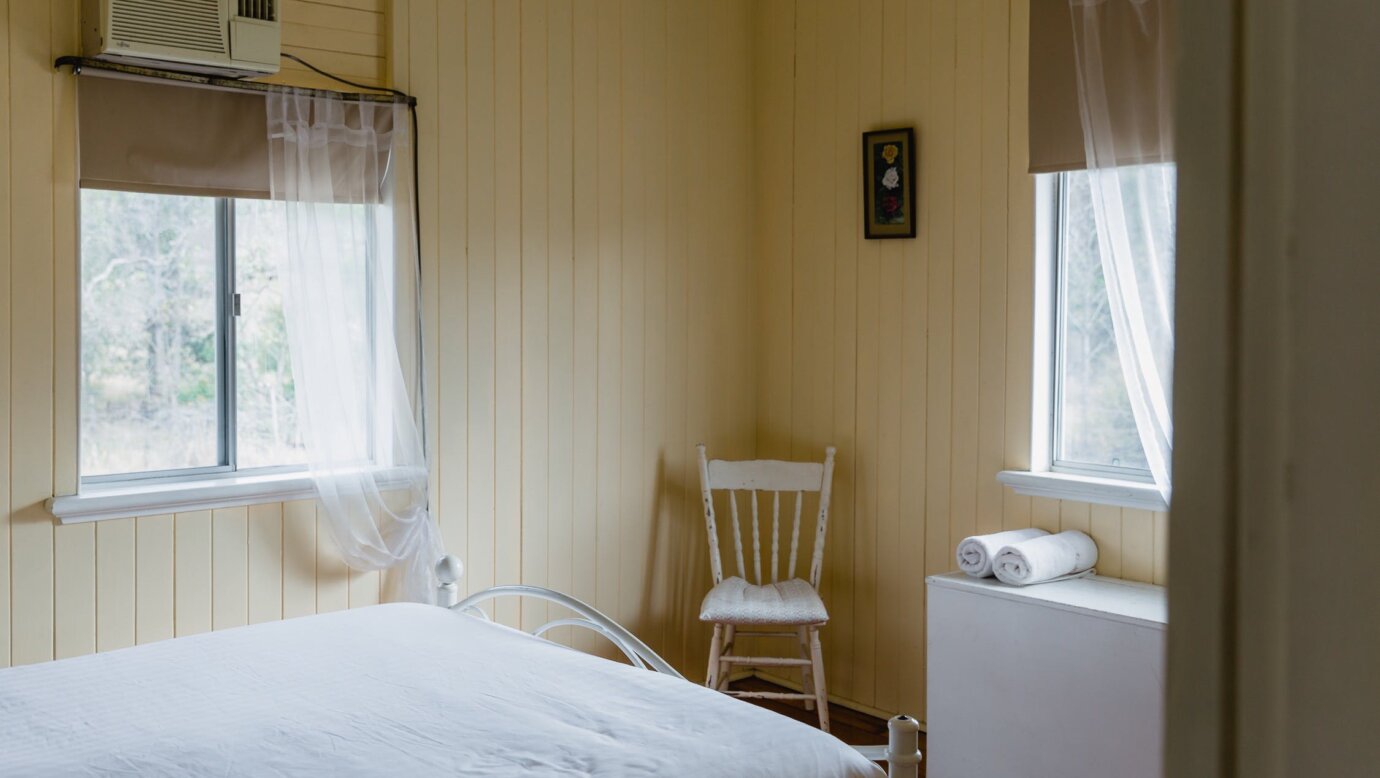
(399, 689)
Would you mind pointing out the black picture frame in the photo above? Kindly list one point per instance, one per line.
(889, 205)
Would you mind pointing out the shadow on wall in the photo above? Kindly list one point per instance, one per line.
(675, 573)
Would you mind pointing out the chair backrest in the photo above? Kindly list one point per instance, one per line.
(766, 475)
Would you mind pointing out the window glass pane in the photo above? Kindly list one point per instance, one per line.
(265, 400)
(148, 332)
(1095, 423)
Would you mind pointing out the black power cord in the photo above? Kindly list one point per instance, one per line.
(416, 228)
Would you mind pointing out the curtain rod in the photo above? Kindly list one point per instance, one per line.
(81, 63)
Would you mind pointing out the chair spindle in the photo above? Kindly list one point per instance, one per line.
(756, 542)
(775, 535)
(737, 533)
(795, 536)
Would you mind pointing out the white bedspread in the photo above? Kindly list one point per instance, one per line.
(388, 690)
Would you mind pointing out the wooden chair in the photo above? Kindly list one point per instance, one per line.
(786, 607)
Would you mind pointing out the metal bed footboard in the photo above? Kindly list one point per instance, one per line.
(902, 752)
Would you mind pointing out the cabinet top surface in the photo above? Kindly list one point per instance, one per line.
(1096, 596)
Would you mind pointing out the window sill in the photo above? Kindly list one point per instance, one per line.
(1103, 491)
(97, 502)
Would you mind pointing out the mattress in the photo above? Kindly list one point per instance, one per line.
(387, 690)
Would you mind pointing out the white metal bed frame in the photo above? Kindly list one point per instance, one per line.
(902, 752)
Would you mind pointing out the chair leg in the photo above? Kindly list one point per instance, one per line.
(807, 676)
(711, 676)
(726, 651)
(817, 664)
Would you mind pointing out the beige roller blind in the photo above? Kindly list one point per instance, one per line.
(1137, 71)
(143, 136)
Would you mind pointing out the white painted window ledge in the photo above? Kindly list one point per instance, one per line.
(1082, 488)
(96, 502)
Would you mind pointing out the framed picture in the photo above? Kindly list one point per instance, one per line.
(889, 183)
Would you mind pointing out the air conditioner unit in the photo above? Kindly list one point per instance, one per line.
(220, 37)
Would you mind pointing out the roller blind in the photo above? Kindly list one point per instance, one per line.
(1138, 70)
(144, 136)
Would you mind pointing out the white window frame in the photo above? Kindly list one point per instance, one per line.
(122, 495)
(1047, 476)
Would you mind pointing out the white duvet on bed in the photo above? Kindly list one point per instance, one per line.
(388, 690)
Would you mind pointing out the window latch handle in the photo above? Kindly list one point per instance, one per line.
(235, 304)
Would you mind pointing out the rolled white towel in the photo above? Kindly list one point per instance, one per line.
(1045, 558)
(976, 553)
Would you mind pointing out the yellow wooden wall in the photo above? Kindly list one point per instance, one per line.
(640, 230)
(912, 356)
(585, 178)
(76, 589)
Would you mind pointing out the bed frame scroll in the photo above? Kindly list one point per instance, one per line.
(902, 752)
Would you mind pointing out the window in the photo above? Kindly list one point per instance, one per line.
(185, 368)
(1091, 425)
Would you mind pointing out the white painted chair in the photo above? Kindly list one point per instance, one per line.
(787, 607)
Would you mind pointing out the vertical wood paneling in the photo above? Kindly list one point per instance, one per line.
(586, 303)
(773, 152)
(74, 586)
(595, 246)
(676, 479)
(937, 158)
(332, 574)
(154, 608)
(299, 558)
(76, 589)
(265, 563)
(66, 38)
(911, 675)
(480, 242)
(1160, 565)
(967, 264)
(992, 346)
(632, 511)
(1020, 266)
(507, 195)
(74, 548)
(894, 110)
(1106, 532)
(650, 598)
(535, 389)
(229, 568)
(560, 315)
(31, 335)
(839, 549)
(444, 132)
(928, 344)
(115, 584)
(1137, 544)
(192, 573)
(608, 99)
(866, 497)
(568, 298)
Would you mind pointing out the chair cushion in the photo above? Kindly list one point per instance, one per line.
(735, 601)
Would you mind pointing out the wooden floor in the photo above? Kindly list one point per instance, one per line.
(850, 726)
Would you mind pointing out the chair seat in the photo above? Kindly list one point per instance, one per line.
(735, 601)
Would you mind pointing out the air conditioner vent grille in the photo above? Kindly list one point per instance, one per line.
(183, 24)
(263, 10)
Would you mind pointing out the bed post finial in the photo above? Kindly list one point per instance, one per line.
(448, 573)
(903, 747)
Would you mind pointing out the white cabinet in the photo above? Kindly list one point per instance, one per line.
(1056, 680)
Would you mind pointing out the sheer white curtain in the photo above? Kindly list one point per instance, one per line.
(341, 173)
(1124, 53)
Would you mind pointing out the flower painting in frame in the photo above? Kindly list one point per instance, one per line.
(889, 183)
